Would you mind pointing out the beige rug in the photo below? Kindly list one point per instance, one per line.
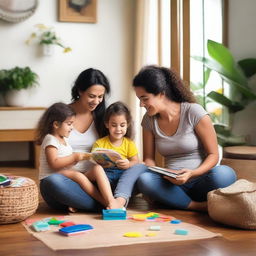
(110, 233)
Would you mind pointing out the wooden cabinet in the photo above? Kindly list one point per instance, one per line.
(18, 124)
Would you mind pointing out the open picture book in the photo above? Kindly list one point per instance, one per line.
(163, 171)
(105, 157)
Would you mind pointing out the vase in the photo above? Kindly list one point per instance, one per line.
(48, 49)
(16, 98)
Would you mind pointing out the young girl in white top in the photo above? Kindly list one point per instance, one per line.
(56, 155)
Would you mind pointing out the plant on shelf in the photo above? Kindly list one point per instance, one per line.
(237, 76)
(46, 36)
(14, 82)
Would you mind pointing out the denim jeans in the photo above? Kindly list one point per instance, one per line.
(60, 192)
(123, 181)
(158, 189)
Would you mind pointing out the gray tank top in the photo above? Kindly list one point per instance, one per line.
(183, 149)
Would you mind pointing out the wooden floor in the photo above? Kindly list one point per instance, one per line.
(15, 240)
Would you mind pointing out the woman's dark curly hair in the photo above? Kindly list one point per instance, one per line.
(58, 112)
(119, 108)
(155, 80)
(86, 79)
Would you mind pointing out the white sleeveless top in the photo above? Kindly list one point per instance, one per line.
(82, 142)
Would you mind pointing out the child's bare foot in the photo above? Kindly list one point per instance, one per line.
(71, 209)
(114, 204)
(121, 200)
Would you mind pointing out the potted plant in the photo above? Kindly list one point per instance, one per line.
(238, 76)
(47, 38)
(14, 84)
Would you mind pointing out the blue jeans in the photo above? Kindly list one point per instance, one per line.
(60, 192)
(158, 189)
(122, 181)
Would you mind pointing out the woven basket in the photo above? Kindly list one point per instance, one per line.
(18, 203)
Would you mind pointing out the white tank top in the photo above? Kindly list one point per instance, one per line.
(82, 142)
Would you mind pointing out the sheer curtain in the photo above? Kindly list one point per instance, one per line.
(152, 46)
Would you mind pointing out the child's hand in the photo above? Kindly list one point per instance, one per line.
(123, 164)
(80, 156)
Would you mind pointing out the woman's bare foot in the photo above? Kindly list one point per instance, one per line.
(71, 209)
(198, 206)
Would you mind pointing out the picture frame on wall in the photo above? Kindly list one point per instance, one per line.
(78, 11)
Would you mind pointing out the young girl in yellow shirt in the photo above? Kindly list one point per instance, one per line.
(123, 176)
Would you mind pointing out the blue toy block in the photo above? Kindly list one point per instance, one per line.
(76, 229)
(114, 214)
(40, 226)
(181, 232)
(176, 221)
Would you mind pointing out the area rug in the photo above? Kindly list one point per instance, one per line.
(107, 233)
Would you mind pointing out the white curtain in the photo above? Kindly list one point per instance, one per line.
(152, 46)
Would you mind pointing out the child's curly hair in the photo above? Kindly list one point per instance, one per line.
(57, 112)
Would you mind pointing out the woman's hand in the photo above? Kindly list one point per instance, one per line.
(123, 164)
(182, 178)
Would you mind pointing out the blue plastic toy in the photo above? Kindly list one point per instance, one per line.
(181, 232)
(76, 229)
(176, 221)
(114, 214)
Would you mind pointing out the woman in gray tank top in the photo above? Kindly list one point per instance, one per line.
(182, 132)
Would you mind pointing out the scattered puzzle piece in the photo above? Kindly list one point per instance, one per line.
(40, 226)
(151, 234)
(54, 221)
(67, 224)
(175, 221)
(181, 232)
(132, 234)
(155, 228)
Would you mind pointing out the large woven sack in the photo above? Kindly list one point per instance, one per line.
(234, 205)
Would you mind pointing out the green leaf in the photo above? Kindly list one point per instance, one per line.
(228, 77)
(223, 100)
(224, 58)
(248, 66)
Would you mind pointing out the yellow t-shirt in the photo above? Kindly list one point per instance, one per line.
(127, 149)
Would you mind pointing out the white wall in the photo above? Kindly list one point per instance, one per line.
(242, 43)
(106, 45)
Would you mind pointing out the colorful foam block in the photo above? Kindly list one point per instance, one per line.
(175, 221)
(76, 229)
(151, 234)
(54, 221)
(181, 232)
(40, 226)
(154, 228)
(133, 234)
(67, 224)
(114, 214)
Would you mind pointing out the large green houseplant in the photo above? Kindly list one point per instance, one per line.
(14, 82)
(237, 76)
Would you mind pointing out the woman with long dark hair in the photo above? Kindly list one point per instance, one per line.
(88, 103)
(182, 132)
